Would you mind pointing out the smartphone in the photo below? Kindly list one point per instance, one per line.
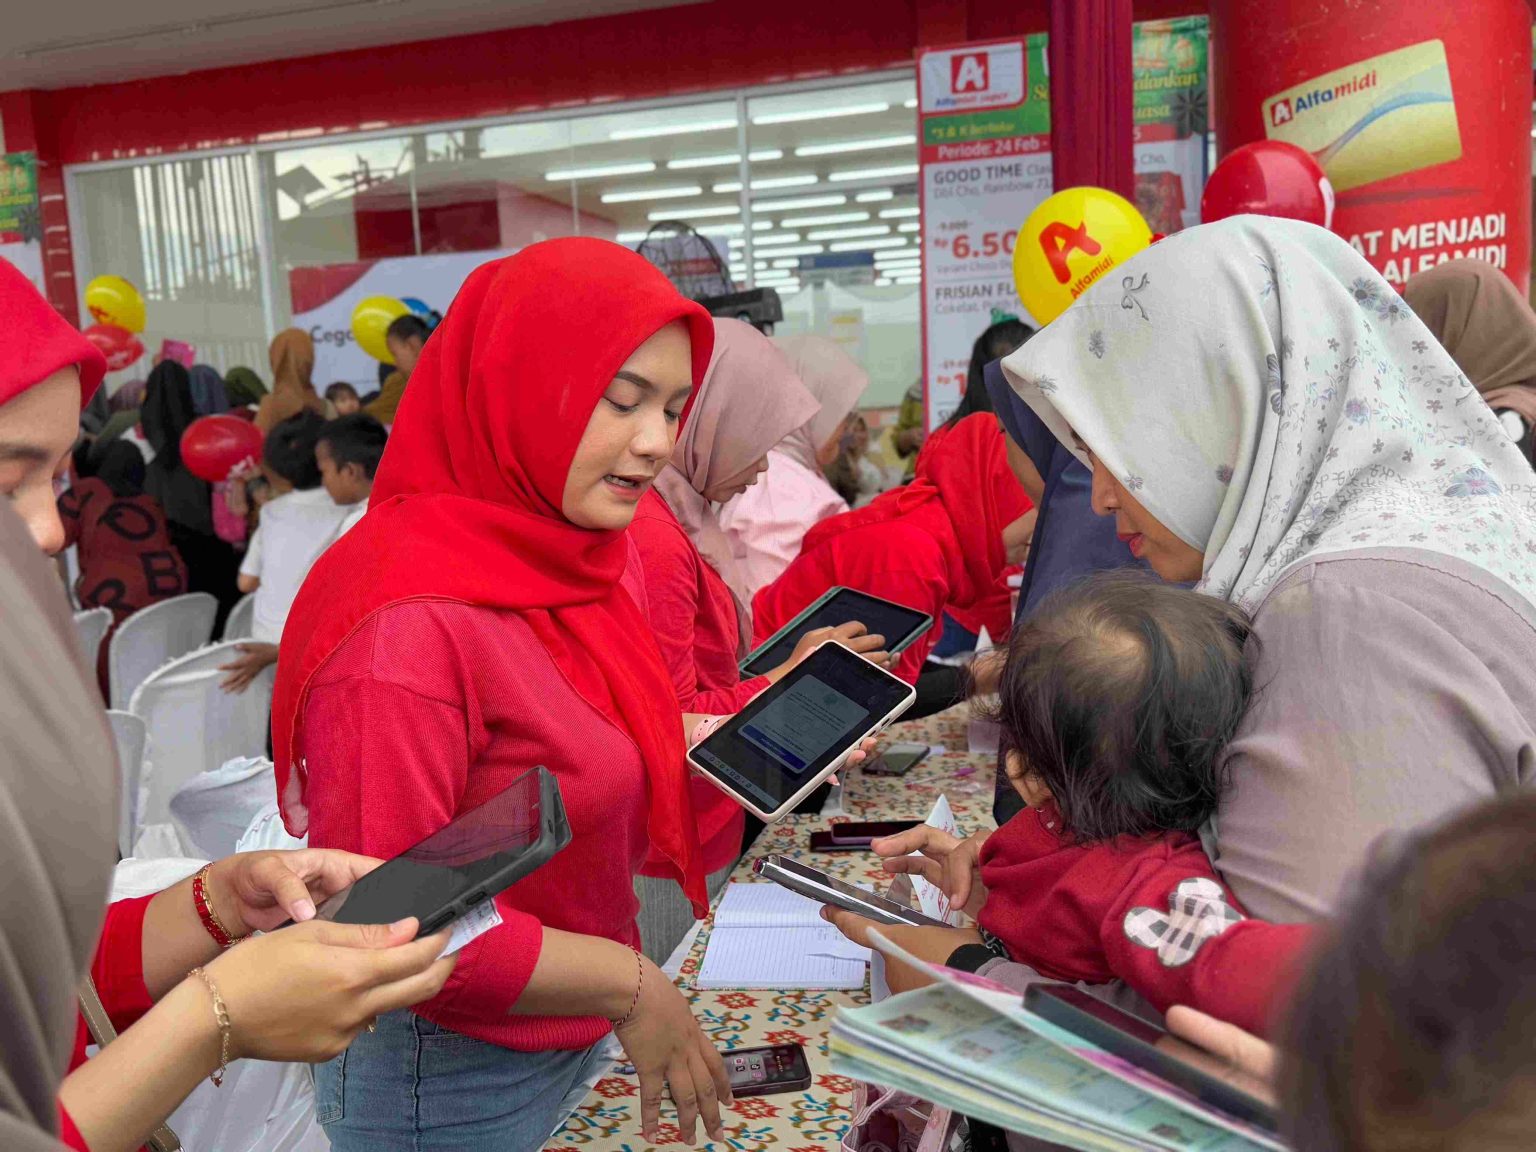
(779, 748)
(1152, 1050)
(897, 760)
(478, 854)
(900, 626)
(817, 885)
(856, 834)
(767, 1071)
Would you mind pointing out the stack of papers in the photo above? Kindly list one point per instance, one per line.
(769, 937)
(970, 1045)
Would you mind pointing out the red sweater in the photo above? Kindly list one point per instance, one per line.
(431, 707)
(906, 559)
(118, 970)
(693, 616)
(1150, 911)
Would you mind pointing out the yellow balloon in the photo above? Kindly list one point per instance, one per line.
(113, 300)
(370, 319)
(1071, 241)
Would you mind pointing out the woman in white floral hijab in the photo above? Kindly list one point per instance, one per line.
(1265, 416)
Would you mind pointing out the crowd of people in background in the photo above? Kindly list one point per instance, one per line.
(1244, 570)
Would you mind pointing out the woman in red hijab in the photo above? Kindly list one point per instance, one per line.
(935, 544)
(487, 616)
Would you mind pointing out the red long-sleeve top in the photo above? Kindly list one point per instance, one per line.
(1150, 911)
(431, 707)
(910, 559)
(693, 616)
(118, 971)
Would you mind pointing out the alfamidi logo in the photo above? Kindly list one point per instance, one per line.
(1285, 110)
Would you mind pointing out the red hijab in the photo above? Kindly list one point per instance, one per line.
(43, 341)
(466, 507)
(966, 471)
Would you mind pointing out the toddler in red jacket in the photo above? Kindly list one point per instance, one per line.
(1116, 705)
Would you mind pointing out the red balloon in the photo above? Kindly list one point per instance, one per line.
(213, 446)
(1269, 178)
(120, 346)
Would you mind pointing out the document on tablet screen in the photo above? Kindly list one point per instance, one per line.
(803, 723)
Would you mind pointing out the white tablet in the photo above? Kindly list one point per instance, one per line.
(791, 737)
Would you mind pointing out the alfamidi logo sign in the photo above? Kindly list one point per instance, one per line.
(973, 79)
(1286, 109)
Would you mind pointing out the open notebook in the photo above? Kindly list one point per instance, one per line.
(769, 937)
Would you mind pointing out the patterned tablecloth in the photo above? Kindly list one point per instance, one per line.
(814, 1120)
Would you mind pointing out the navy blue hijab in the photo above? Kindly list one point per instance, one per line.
(1070, 540)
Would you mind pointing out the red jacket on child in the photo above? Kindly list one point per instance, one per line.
(1148, 910)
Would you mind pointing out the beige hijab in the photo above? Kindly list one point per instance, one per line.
(834, 379)
(293, 360)
(1481, 319)
(58, 815)
(750, 400)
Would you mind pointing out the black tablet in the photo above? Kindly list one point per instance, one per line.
(792, 736)
(481, 852)
(899, 625)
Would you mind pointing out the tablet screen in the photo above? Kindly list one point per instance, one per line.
(800, 725)
(899, 625)
(459, 858)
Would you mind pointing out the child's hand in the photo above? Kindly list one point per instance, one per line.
(946, 861)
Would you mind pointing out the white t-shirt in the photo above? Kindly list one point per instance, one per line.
(295, 528)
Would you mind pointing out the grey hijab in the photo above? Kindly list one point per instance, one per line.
(58, 806)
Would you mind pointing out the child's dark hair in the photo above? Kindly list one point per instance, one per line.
(1120, 694)
(356, 439)
(407, 327)
(340, 388)
(290, 449)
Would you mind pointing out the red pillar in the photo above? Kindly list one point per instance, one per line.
(1090, 59)
(28, 128)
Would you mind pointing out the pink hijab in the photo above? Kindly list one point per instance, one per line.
(750, 400)
(835, 380)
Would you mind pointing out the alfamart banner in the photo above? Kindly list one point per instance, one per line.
(985, 149)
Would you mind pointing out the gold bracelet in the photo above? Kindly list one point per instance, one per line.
(635, 1002)
(221, 1014)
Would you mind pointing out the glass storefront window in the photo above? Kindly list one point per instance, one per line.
(336, 203)
(186, 232)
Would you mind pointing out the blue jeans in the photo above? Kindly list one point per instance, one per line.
(414, 1086)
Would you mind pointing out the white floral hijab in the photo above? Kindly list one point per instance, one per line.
(1270, 398)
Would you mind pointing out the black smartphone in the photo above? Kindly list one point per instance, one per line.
(767, 1071)
(823, 842)
(479, 853)
(1153, 1050)
(896, 760)
(863, 833)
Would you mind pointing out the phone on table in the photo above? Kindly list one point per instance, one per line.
(900, 626)
(817, 885)
(768, 1070)
(855, 835)
(478, 854)
(775, 752)
(1153, 1050)
(897, 760)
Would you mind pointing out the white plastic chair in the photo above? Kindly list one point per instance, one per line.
(128, 733)
(241, 619)
(194, 725)
(90, 630)
(215, 808)
(153, 635)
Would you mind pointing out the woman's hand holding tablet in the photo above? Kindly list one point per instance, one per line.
(793, 735)
(853, 636)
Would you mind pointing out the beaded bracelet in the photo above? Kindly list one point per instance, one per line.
(639, 984)
(221, 1014)
(222, 936)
